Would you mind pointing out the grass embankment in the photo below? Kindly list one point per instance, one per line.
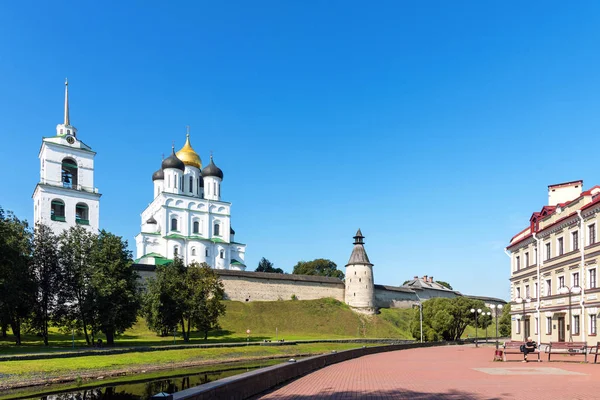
(271, 320)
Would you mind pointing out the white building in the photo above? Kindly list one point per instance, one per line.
(187, 217)
(65, 195)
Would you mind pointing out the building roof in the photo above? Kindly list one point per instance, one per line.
(359, 255)
(394, 288)
(173, 162)
(419, 283)
(188, 155)
(212, 170)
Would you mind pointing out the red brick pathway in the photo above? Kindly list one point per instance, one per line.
(446, 373)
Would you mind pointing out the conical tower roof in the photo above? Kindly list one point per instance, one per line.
(359, 255)
(188, 155)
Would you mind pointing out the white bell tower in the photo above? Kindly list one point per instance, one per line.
(65, 195)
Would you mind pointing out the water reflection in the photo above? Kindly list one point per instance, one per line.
(141, 390)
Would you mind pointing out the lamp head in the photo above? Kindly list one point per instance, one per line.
(500, 307)
(479, 310)
(472, 310)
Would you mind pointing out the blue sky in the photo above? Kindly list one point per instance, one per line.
(435, 127)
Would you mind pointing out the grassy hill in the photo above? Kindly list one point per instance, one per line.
(311, 319)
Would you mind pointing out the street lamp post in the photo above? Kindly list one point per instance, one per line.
(486, 325)
(476, 312)
(496, 309)
(420, 315)
(519, 300)
(570, 291)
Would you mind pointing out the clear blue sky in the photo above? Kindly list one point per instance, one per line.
(435, 127)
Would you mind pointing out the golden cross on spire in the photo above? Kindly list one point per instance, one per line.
(187, 129)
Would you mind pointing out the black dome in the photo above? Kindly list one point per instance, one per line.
(151, 221)
(231, 231)
(158, 175)
(173, 162)
(212, 170)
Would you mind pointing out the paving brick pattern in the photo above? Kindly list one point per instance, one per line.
(450, 372)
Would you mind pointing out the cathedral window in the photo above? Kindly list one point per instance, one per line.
(206, 252)
(69, 173)
(219, 190)
(196, 226)
(82, 214)
(173, 224)
(214, 188)
(191, 185)
(222, 254)
(175, 182)
(193, 251)
(216, 230)
(57, 211)
(175, 251)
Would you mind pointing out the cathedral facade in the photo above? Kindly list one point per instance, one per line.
(65, 195)
(187, 217)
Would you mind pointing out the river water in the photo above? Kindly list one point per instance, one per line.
(141, 389)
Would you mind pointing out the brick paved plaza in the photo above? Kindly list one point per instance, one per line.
(450, 372)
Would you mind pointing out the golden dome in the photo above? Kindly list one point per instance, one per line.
(188, 155)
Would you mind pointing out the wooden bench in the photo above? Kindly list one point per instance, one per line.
(570, 348)
(515, 348)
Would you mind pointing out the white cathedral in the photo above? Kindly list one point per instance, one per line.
(65, 195)
(186, 219)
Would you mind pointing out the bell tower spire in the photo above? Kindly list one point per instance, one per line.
(66, 129)
(67, 122)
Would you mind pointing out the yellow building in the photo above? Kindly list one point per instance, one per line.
(554, 267)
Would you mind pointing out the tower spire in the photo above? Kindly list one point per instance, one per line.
(67, 122)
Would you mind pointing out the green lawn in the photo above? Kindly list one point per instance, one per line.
(289, 320)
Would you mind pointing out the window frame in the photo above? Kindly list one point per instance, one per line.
(592, 271)
(575, 279)
(576, 324)
(593, 324)
(175, 223)
(549, 287)
(548, 325)
(575, 240)
(548, 251)
(560, 244)
(591, 234)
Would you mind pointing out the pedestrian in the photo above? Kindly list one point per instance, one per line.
(528, 347)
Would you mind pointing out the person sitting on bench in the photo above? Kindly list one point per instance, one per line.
(528, 347)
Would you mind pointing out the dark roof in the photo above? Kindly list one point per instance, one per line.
(394, 288)
(173, 162)
(158, 175)
(285, 277)
(212, 170)
(231, 231)
(485, 298)
(151, 220)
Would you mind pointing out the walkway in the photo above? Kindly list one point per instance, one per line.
(451, 372)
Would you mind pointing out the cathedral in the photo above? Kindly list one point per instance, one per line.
(187, 217)
(65, 195)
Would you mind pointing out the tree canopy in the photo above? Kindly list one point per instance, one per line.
(320, 267)
(265, 265)
(444, 284)
(447, 318)
(504, 326)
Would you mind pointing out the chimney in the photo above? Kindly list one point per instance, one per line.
(425, 278)
(431, 279)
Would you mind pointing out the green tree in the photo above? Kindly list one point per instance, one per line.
(164, 299)
(76, 294)
(17, 281)
(444, 284)
(267, 266)
(47, 274)
(504, 325)
(445, 318)
(115, 286)
(206, 300)
(320, 267)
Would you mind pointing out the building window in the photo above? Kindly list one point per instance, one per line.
(575, 240)
(206, 252)
(518, 326)
(535, 257)
(575, 279)
(69, 173)
(216, 230)
(214, 188)
(560, 246)
(57, 211)
(592, 233)
(222, 254)
(81, 214)
(518, 263)
(593, 324)
(537, 322)
(548, 325)
(175, 251)
(561, 281)
(518, 292)
(174, 224)
(548, 287)
(548, 254)
(592, 278)
(196, 226)
(526, 260)
(191, 184)
(526, 291)
(535, 288)
(193, 251)
(575, 324)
